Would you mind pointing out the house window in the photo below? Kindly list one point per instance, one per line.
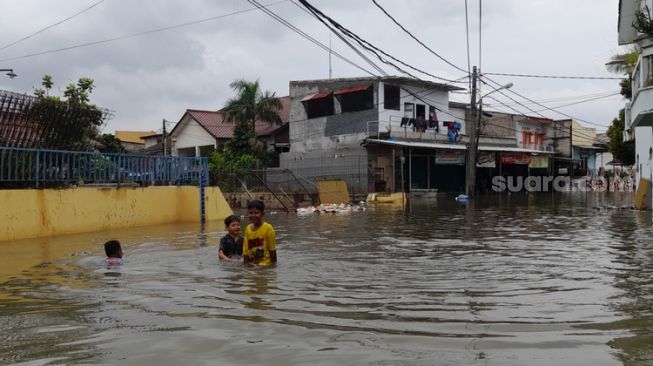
(420, 111)
(352, 100)
(319, 107)
(409, 110)
(391, 97)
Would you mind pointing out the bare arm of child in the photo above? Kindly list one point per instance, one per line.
(223, 257)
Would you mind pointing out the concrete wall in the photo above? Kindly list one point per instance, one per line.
(36, 213)
(562, 138)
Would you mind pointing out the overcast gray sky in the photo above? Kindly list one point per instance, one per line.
(159, 75)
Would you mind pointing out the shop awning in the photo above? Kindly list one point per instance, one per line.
(513, 149)
(319, 95)
(418, 145)
(353, 89)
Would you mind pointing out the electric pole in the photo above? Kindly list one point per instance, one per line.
(164, 137)
(472, 146)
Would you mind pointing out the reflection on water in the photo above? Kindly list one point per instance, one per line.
(510, 280)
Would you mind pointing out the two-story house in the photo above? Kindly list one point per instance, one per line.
(639, 111)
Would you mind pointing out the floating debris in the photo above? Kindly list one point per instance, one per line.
(330, 208)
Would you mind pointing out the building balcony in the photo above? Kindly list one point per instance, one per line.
(537, 147)
(640, 110)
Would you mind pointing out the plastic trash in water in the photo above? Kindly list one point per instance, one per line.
(463, 198)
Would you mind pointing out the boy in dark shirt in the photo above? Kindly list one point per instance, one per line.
(231, 245)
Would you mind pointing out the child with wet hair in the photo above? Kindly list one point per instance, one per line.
(231, 245)
(113, 251)
(260, 242)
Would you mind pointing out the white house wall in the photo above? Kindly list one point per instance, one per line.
(390, 118)
(643, 146)
(191, 134)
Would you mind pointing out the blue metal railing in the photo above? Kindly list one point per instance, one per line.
(33, 167)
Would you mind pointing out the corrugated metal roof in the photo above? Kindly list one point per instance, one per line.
(513, 149)
(353, 89)
(319, 95)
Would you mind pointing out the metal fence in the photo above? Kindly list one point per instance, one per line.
(25, 168)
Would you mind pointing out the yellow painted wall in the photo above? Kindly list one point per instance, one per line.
(37, 213)
(333, 191)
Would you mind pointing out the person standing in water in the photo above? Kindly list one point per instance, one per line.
(260, 242)
(231, 245)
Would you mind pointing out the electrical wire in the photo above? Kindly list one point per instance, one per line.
(416, 39)
(469, 62)
(139, 34)
(51, 26)
(377, 52)
(546, 107)
(553, 76)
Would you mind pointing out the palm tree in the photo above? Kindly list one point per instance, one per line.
(624, 64)
(251, 104)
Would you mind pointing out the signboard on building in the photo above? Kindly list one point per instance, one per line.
(448, 157)
(539, 162)
(509, 158)
(486, 159)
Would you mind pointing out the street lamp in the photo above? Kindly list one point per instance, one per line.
(10, 73)
(507, 86)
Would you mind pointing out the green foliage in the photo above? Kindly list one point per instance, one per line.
(70, 122)
(249, 105)
(626, 88)
(622, 151)
(643, 22)
(110, 142)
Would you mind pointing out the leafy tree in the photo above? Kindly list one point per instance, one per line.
(110, 142)
(249, 105)
(622, 151)
(69, 122)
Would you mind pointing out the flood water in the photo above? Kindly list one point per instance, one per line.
(516, 280)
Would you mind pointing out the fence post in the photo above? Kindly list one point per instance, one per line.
(203, 175)
(36, 175)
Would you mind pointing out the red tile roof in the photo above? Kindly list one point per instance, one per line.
(214, 123)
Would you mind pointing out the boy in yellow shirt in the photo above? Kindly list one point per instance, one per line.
(260, 242)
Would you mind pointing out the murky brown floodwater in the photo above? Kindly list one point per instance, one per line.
(537, 280)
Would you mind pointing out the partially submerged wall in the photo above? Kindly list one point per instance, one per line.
(34, 213)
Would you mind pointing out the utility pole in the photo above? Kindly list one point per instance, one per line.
(164, 137)
(472, 146)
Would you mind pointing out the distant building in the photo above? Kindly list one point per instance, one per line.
(199, 132)
(576, 148)
(132, 140)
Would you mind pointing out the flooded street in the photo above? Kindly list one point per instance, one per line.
(511, 280)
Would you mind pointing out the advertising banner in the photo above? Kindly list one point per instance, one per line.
(539, 162)
(509, 158)
(448, 157)
(486, 159)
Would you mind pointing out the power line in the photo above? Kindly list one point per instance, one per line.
(51, 26)
(554, 76)
(416, 39)
(548, 108)
(469, 62)
(356, 50)
(181, 25)
(367, 45)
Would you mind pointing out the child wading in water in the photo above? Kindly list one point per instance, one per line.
(114, 252)
(231, 245)
(260, 242)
